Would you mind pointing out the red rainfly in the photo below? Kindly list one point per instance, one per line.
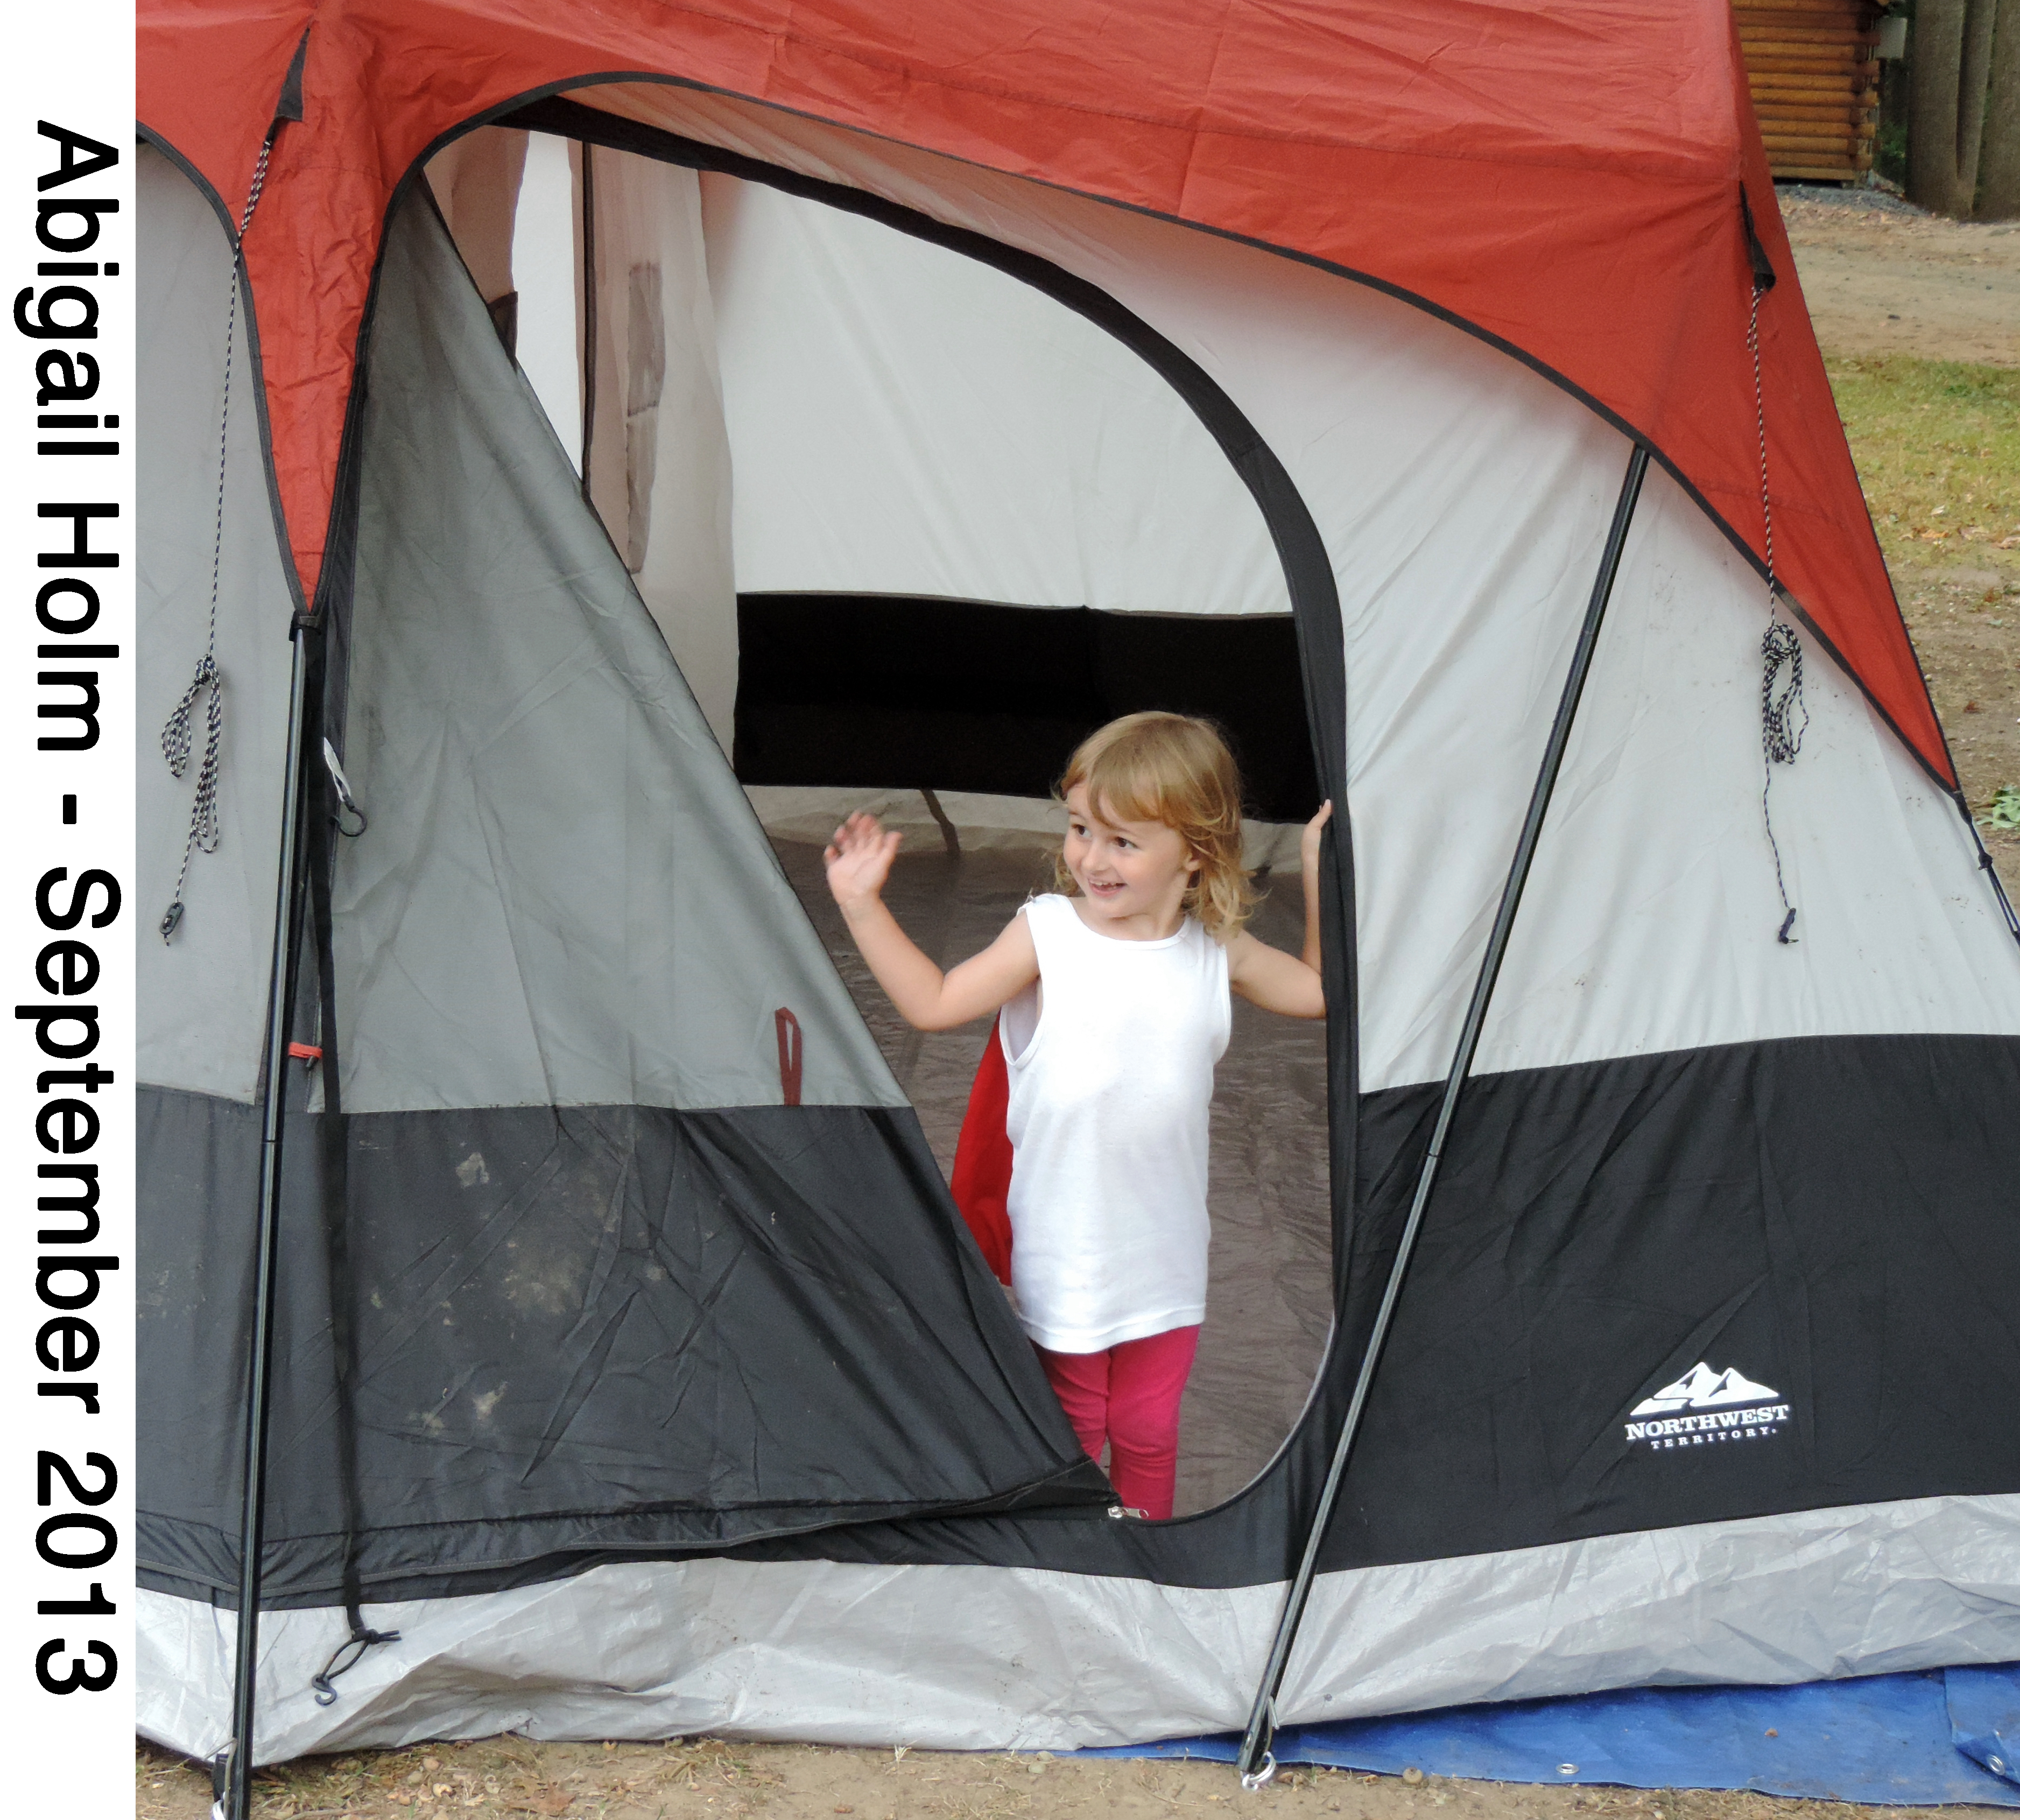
(1562, 176)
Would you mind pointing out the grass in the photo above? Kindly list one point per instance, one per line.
(1937, 446)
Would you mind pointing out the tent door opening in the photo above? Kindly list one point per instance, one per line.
(977, 509)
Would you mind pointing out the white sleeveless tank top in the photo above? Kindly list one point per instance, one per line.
(1110, 1088)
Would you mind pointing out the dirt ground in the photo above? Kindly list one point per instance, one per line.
(708, 1780)
(1966, 626)
(1880, 280)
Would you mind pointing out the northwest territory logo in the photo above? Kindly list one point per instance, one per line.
(1706, 1408)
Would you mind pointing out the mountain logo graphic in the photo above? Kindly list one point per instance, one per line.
(1706, 1408)
(1702, 1388)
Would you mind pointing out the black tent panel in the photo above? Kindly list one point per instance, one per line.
(603, 1329)
(1822, 1224)
(198, 1184)
(1819, 1223)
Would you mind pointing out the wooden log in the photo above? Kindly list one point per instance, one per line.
(1804, 132)
(1766, 99)
(1851, 18)
(1834, 44)
(1777, 25)
(1810, 148)
(1765, 62)
(1801, 133)
(1825, 92)
(1744, 12)
(1839, 81)
(1847, 76)
(1813, 69)
(1830, 31)
(1838, 69)
(1840, 103)
(1773, 116)
(1805, 30)
(1846, 51)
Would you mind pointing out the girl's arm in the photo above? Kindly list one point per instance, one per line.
(859, 861)
(1267, 976)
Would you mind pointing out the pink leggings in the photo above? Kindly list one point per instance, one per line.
(1128, 1396)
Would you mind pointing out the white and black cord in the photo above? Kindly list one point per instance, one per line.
(178, 734)
(1784, 717)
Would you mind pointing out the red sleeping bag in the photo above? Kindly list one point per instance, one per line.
(982, 1158)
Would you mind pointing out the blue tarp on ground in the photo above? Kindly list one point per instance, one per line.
(1915, 1740)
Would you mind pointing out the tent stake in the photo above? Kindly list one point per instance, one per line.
(237, 1805)
(1256, 1762)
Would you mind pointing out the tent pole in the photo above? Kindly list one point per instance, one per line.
(237, 1805)
(589, 307)
(1256, 1762)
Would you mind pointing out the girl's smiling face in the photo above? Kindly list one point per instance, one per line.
(1133, 876)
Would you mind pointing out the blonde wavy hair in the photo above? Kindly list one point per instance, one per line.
(1177, 770)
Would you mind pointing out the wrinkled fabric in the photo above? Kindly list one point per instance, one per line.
(1564, 180)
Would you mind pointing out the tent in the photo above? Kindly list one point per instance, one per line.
(620, 429)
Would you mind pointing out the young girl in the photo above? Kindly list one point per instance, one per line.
(1114, 994)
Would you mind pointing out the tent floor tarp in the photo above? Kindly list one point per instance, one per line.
(1268, 1312)
(1943, 1737)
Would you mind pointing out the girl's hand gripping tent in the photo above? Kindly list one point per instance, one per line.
(631, 1363)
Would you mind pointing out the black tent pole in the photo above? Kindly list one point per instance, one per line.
(1256, 1762)
(281, 993)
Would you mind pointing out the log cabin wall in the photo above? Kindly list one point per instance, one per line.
(1812, 68)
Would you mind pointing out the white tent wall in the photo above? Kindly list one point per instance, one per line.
(1649, 922)
(547, 268)
(476, 181)
(902, 421)
(905, 420)
(202, 995)
(659, 456)
(1464, 500)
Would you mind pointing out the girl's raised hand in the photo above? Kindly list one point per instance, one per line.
(858, 859)
(1308, 842)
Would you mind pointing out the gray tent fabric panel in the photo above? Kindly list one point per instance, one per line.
(563, 898)
(202, 998)
(845, 1653)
